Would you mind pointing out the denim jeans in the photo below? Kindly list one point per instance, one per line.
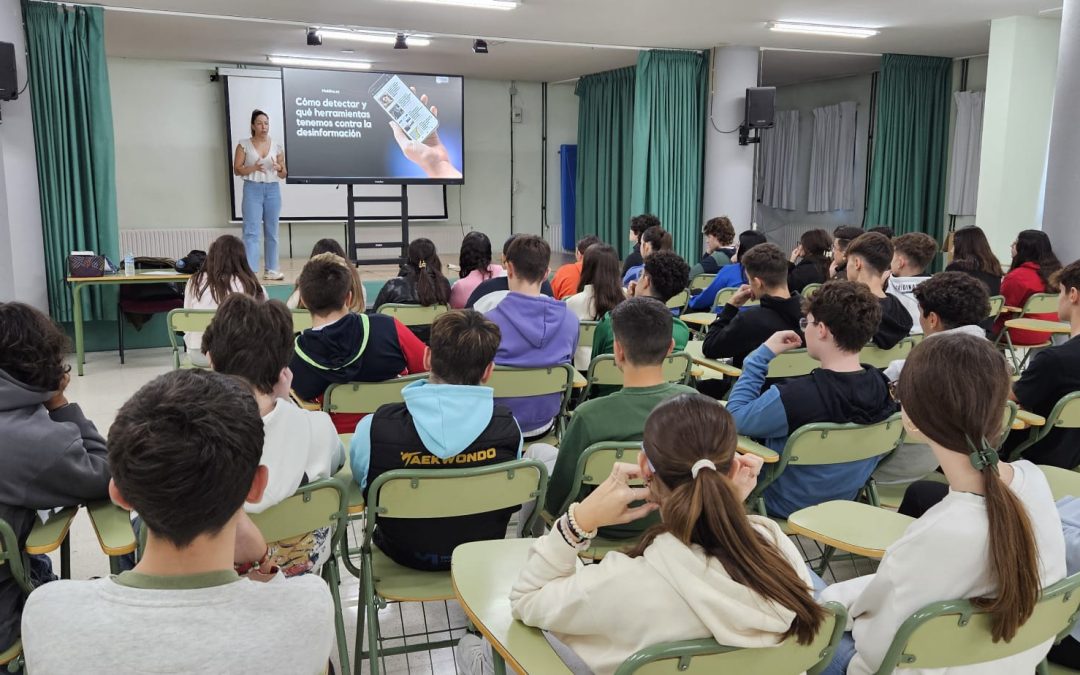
(261, 209)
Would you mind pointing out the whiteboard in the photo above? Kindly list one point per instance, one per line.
(261, 89)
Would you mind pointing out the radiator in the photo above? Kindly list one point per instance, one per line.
(170, 243)
(554, 239)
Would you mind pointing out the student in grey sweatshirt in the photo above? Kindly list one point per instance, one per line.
(51, 454)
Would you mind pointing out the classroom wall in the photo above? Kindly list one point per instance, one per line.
(172, 171)
(784, 226)
(22, 257)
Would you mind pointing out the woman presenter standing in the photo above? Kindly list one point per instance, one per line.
(261, 163)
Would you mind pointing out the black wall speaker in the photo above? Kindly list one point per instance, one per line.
(8, 88)
(760, 107)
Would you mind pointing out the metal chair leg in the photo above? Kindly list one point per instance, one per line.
(120, 331)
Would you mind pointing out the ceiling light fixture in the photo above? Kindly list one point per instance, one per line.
(399, 42)
(305, 62)
(313, 37)
(475, 4)
(479, 46)
(815, 29)
(372, 37)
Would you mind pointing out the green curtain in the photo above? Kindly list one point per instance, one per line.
(73, 132)
(605, 143)
(907, 178)
(669, 143)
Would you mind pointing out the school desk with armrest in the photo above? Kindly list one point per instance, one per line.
(51, 535)
(694, 351)
(112, 525)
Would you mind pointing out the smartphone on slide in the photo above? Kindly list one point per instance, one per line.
(404, 107)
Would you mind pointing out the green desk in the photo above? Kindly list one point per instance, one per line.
(79, 283)
(694, 350)
(47, 537)
(112, 525)
(483, 573)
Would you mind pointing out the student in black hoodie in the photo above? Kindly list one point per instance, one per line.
(638, 225)
(868, 260)
(342, 346)
(737, 332)
(842, 236)
(808, 262)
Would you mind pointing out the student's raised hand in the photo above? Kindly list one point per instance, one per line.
(631, 289)
(743, 473)
(797, 253)
(783, 341)
(59, 400)
(609, 503)
(741, 296)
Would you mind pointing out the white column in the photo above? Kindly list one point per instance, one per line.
(729, 167)
(1061, 215)
(1016, 127)
(22, 252)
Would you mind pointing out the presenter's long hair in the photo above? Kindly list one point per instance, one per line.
(424, 266)
(226, 261)
(475, 254)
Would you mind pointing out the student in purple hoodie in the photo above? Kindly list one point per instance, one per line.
(537, 331)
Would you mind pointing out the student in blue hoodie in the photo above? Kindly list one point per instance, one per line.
(537, 331)
(729, 276)
(447, 421)
(840, 319)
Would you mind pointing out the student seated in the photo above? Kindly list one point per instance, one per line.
(809, 263)
(707, 570)
(665, 275)
(600, 292)
(225, 271)
(1067, 652)
(488, 294)
(474, 259)
(842, 236)
(912, 254)
(420, 282)
(448, 421)
(332, 246)
(719, 246)
(1031, 271)
(972, 255)
(537, 331)
(342, 346)
(638, 225)
(840, 318)
(736, 333)
(949, 303)
(729, 276)
(642, 329)
(565, 282)
(868, 260)
(184, 452)
(254, 341)
(997, 528)
(52, 455)
(654, 239)
(1052, 373)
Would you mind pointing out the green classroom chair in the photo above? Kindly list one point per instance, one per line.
(511, 382)
(955, 633)
(875, 356)
(1039, 303)
(792, 364)
(13, 557)
(997, 303)
(364, 398)
(196, 320)
(705, 657)
(413, 315)
(701, 282)
(586, 331)
(432, 493)
(809, 290)
(604, 372)
(1063, 483)
(1064, 415)
(724, 294)
(679, 300)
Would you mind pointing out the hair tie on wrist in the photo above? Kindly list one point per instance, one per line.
(982, 457)
(701, 464)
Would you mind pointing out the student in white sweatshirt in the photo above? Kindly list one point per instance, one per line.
(254, 341)
(996, 537)
(912, 254)
(708, 570)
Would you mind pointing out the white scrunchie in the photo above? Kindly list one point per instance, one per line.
(701, 464)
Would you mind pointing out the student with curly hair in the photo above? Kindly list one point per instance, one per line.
(52, 455)
(638, 225)
(719, 249)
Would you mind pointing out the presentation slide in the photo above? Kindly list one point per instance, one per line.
(353, 127)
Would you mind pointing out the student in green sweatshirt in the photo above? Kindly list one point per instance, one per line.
(642, 329)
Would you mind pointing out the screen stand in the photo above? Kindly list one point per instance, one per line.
(352, 246)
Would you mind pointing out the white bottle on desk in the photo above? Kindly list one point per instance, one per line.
(129, 264)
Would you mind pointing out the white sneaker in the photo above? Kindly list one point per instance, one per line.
(273, 275)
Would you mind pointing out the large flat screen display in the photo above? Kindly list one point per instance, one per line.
(366, 127)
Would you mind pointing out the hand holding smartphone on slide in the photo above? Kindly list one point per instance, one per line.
(415, 126)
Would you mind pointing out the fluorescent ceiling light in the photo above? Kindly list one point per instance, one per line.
(304, 61)
(373, 38)
(814, 29)
(476, 4)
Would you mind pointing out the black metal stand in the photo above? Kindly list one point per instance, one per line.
(352, 246)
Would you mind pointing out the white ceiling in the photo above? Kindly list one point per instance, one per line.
(933, 27)
(780, 67)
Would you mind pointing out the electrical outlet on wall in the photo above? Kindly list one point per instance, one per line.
(516, 114)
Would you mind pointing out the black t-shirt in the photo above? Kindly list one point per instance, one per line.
(633, 259)
(1052, 373)
(895, 323)
(991, 281)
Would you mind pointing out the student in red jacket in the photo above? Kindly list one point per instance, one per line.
(1032, 266)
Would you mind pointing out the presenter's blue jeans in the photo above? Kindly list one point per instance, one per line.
(261, 209)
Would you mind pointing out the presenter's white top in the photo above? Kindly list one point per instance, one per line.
(252, 156)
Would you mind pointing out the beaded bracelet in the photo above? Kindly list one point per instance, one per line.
(574, 527)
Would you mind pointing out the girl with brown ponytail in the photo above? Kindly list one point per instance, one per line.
(707, 570)
(995, 539)
(420, 282)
